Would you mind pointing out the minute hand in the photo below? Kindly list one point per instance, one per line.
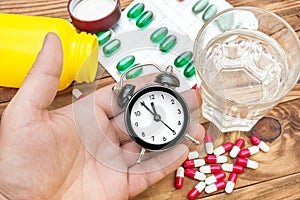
(167, 126)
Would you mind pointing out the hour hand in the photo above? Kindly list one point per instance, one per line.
(153, 108)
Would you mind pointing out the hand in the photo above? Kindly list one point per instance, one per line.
(81, 151)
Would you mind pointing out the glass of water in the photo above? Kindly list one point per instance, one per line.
(247, 59)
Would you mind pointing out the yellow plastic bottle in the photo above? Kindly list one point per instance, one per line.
(21, 38)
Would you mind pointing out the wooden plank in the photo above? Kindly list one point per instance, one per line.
(286, 188)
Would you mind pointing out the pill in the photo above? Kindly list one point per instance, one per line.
(125, 63)
(209, 146)
(248, 151)
(211, 159)
(104, 36)
(199, 6)
(183, 59)
(179, 178)
(134, 73)
(168, 44)
(247, 163)
(189, 70)
(215, 187)
(261, 144)
(195, 174)
(207, 169)
(158, 35)
(193, 155)
(195, 87)
(188, 164)
(135, 10)
(223, 148)
(215, 178)
(237, 147)
(233, 168)
(111, 47)
(144, 20)
(209, 12)
(196, 190)
(231, 182)
(77, 94)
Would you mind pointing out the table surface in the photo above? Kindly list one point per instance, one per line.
(278, 176)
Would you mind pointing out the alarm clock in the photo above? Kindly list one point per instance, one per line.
(156, 116)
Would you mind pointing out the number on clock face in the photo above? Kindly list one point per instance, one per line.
(156, 116)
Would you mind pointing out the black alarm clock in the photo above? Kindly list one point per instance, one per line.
(156, 116)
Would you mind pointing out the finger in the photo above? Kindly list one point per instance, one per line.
(40, 86)
(143, 175)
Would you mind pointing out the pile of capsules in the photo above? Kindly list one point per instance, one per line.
(215, 163)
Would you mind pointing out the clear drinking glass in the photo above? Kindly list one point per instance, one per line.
(247, 59)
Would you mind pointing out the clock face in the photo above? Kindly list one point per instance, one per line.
(157, 117)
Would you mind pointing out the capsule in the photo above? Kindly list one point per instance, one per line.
(247, 163)
(215, 187)
(136, 10)
(159, 35)
(209, 146)
(125, 63)
(195, 87)
(196, 190)
(193, 155)
(183, 59)
(233, 168)
(215, 178)
(168, 44)
(209, 12)
(77, 94)
(179, 178)
(237, 147)
(261, 144)
(189, 70)
(134, 73)
(248, 151)
(111, 47)
(223, 148)
(199, 6)
(145, 19)
(207, 169)
(188, 164)
(231, 182)
(211, 159)
(195, 174)
(104, 36)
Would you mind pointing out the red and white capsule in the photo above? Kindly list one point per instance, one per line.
(207, 169)
(212, 159)
(179, 180)
(248, 151)
(258, 142)
(193, 155)
(237, 147)
(77, 94)
(215, 178)
(247, 163)
(195, 174)
(215, 187)
(209, 146)
(196, 190)
(188, 164)
(223, 148)
(231, 182)
(233, 168)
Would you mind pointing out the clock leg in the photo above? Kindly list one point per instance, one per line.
(190, 138)
(142, 153)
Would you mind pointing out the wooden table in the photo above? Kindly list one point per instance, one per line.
(278, 176)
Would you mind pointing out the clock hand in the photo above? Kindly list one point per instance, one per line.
(167, 126)
(143, 104)
(153, 108)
